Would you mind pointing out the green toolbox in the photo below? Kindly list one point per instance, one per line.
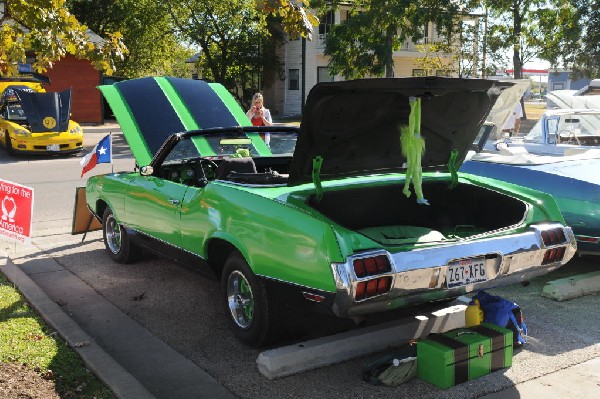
(464, 354)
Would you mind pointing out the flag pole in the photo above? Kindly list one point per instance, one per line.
(112, 166)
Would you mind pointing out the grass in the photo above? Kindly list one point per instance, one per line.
(535, 110)
(26, 339)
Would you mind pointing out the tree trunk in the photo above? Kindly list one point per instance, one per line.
(517, 28)
(389, 60)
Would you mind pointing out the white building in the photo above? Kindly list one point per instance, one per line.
(286, 97)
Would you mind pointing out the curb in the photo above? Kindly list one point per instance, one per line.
(572, 287)
(111, 373)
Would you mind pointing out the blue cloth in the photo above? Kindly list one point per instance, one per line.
(500, 311)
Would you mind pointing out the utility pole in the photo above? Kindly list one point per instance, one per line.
(484, 50)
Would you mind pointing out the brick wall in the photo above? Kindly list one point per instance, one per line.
(82, 78)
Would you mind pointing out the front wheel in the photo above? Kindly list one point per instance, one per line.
(117, 241)
(8, 144)
(253, 313)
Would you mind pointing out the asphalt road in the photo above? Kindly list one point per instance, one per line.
(181, 308)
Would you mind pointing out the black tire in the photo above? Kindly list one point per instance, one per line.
(8, 144)
(253, 313)
(117, 242)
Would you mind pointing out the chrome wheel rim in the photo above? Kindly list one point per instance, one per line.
(113, 235)
(240, 300)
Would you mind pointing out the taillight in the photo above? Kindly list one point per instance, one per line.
(374, 287)
(372, 266)
(553, 255)
(593, 240)
(553, 237)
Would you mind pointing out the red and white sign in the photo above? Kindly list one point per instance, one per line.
(16, 211)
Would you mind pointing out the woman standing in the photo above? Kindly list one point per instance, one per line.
(258, 114)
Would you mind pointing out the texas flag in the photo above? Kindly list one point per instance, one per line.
(102, 153)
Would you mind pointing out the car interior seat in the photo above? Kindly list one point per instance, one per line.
(239, 165)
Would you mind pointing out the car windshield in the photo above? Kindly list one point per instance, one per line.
(565, 125)
(218, 146)
(15, 113)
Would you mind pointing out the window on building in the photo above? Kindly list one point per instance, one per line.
(442, 72)
(294, 79)
(326, 23)
(323, 75)
(558, 86)
(418, 72)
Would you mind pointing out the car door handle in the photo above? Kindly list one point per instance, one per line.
(174, 201)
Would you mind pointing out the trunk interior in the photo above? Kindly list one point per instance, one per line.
(386, 215)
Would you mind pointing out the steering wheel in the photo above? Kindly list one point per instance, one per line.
(209, 168)
(571, 137)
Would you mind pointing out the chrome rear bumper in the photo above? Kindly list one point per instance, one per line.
(420, 275)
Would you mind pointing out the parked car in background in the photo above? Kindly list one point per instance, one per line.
(33, 121)
(572, 180)
(586, 97)
(327, 226)
(558, 132)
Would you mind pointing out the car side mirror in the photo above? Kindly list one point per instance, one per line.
(146, 170)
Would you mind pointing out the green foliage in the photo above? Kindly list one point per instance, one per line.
(51, 31)
(563, 32)
(437, 58)
(458, 55)
(545, 29)
(586, 55)
(237, 41)
(25, 339)
(147, 31)
(296, 20)
(364, 44)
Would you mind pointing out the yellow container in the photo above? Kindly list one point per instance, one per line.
(473, 314)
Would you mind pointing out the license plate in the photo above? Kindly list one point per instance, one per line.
(53, 147)
(466, 271)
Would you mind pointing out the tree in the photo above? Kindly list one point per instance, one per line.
(563, 32)
(586, 55)
(533, 29)
(49, 30)
(364, 43)
(458, 54)
(295, 19)
(234, 37)
(148, 32)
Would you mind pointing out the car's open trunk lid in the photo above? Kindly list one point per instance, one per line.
(355, 126)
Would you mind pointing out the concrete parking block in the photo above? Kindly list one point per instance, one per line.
(572, 287)
(292, 359)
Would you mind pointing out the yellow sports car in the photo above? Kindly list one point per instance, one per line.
(34, 121)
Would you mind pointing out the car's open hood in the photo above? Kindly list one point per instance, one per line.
(355, 125)
(46, 112)
(151, 109)
(505, 104)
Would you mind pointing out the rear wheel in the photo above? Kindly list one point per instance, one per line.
(253, 313)
(116, 240)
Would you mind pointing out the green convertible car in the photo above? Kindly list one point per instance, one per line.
(322, 216)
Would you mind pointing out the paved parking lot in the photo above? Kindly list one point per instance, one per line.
(181, 309)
